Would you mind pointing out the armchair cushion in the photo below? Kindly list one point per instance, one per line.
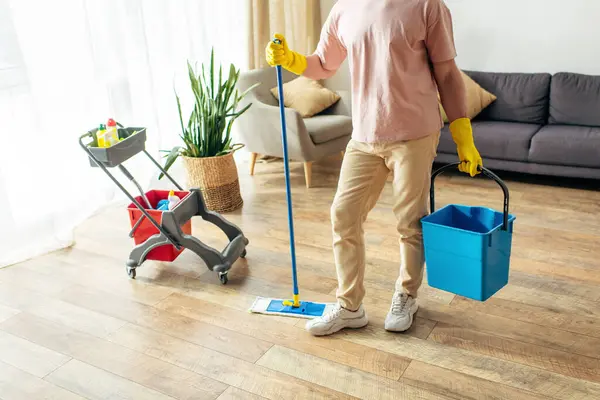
(343, 106)
(306, 96)
(324, 128)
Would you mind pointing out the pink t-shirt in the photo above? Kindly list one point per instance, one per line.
(390, 45)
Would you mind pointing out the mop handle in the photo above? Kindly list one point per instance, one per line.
(287, 178)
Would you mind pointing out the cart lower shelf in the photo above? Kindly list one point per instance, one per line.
(171, 234)
(223, 276)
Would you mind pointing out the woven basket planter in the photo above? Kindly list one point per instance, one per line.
(217, 178)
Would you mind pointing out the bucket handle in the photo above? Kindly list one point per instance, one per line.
(487, 173)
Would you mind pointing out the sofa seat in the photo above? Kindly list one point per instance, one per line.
(577, 146)
(496, 139)
(324, 128)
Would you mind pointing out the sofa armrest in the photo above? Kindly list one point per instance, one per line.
(260, 131)
(343, 106)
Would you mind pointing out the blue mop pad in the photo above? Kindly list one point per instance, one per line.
(307, 309)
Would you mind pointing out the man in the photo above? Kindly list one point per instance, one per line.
(401, 54)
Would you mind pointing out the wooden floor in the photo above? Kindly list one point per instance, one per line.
(73, 326)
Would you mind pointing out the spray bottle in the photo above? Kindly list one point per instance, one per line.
(112, 135)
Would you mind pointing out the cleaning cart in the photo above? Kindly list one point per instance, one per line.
(163, 235)
(467, 249)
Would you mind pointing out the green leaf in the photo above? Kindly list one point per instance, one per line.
(212, 72)
(171, 158)
(179, 111)
(243, 110)
(245, 92)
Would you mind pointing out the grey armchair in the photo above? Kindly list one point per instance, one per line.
(309, 139)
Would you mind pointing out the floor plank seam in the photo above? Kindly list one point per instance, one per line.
(432, 329)
(555, 348)
(343, 366)
(163, 299)
(529, 343)
(76, 359)
(183, 366)
(57, 368)
(64, 388)
(227, 386)
(569, 352)
(161, 310)
(185, 340)
(405, 369)
(135, 351)
(553, 327)
(476, 377)
(574, 296)
(264, 355)
(522, 363)
(116, 376)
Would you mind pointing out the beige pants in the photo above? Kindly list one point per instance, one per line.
(363, 175)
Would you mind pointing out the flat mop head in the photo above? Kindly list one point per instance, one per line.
(306, 309)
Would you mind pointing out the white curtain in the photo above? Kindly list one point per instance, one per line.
(67, 66)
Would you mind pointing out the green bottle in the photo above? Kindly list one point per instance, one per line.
(101, 136)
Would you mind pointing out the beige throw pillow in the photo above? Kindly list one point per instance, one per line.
(477, 98)
(306, 96)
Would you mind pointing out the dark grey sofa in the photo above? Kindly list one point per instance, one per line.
(540, 124)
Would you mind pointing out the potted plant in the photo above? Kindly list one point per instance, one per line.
(207, 151)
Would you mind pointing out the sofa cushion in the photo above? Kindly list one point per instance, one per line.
(521, 97)
(577, 146)
(323, 128)
(307, 96)
(495, 139)
(477, 98)
(575, 99)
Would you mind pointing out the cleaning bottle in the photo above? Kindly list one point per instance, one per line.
(169, 203)
(173, 200)
(112, 135)
(100, 134)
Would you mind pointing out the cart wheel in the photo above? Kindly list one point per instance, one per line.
(131, 272)
(243, 255)
(223, 277)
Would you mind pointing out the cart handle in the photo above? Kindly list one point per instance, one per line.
(487, 173)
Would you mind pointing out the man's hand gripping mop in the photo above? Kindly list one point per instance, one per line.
(293, 307)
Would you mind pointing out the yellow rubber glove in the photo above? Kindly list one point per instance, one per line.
(280, 54)
(469, 157)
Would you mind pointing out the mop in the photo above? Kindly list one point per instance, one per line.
(294, 307)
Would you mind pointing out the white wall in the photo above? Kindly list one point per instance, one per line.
(519, 36)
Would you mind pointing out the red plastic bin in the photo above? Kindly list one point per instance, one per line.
(145, 230)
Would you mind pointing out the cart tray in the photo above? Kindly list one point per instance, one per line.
(122, 151)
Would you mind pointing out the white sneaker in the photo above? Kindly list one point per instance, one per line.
(336, 320)
(400, 317)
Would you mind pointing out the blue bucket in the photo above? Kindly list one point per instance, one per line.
(467, 249)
